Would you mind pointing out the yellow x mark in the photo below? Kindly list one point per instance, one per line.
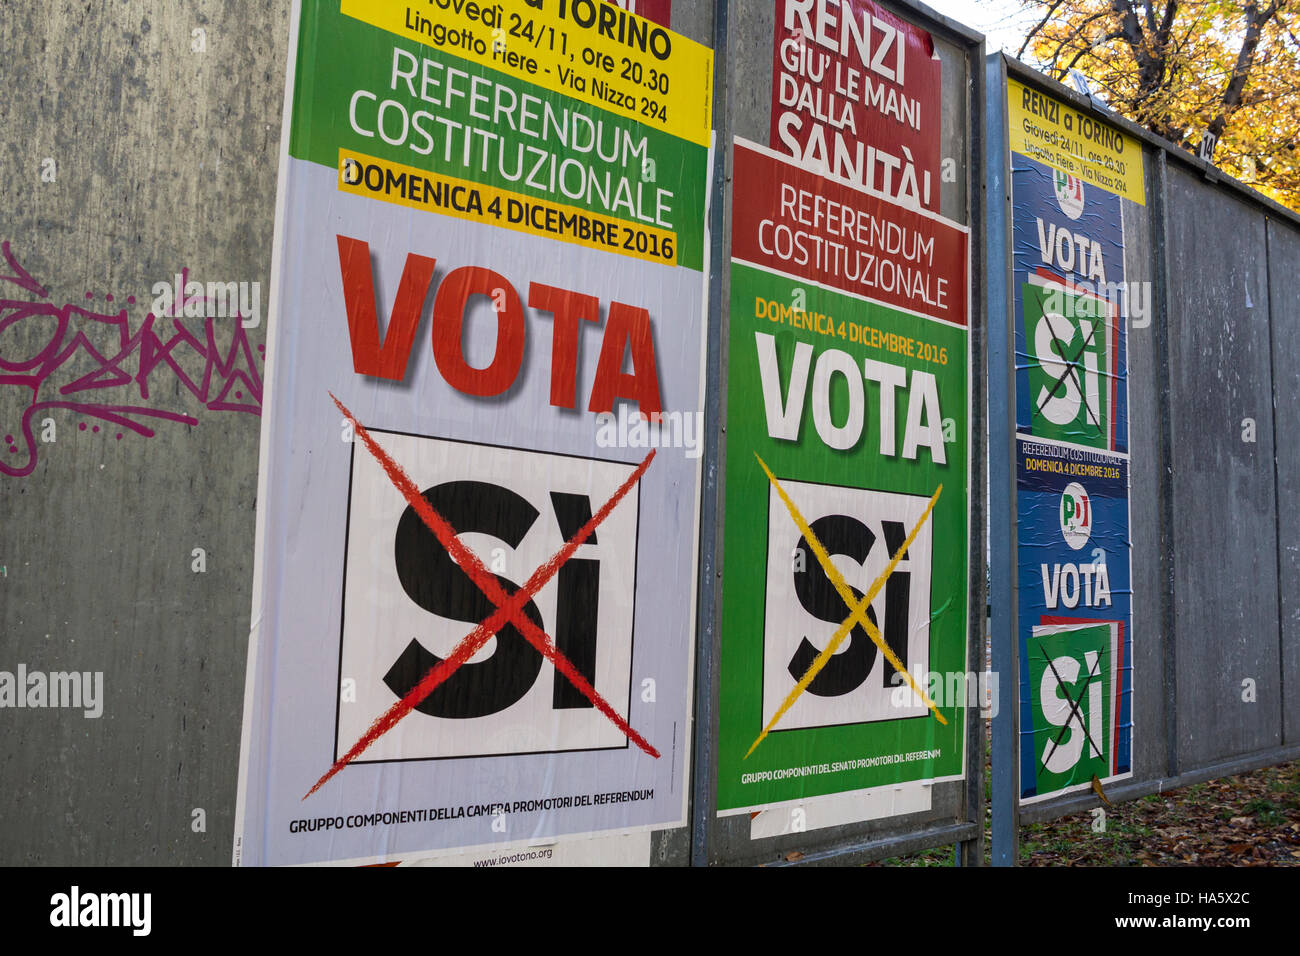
(857, 609)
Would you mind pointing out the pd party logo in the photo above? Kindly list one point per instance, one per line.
(1069, 193)
(1076, 515)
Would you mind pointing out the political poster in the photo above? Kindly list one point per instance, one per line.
(473, 615)
(1075, 617)
(1072, 461)
(1074, 142)
(845, 559)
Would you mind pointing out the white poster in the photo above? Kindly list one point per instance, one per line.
(474, 604)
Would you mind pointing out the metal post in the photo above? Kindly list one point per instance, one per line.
(971, 852)
(1002, 449)
(1277, 502)
(1160, 254)
(710, 582)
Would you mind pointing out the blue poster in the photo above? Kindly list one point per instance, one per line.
(1072, 483)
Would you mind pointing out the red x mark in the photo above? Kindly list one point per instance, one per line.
(509, 607)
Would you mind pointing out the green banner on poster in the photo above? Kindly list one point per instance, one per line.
(1071, 670)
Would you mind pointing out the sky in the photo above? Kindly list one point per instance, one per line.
(1004, 23)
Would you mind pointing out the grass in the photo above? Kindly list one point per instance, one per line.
(1251, 819)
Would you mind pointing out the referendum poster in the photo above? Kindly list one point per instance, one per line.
(846, 534)
(1072, 480)
(473, 614)
(1075, 618)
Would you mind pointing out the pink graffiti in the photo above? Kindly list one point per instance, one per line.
(122, 371)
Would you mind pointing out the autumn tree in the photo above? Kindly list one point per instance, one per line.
(1185, 68)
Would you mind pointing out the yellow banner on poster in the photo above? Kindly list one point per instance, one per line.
(1056, 134)
(363, 175)
(590, 50)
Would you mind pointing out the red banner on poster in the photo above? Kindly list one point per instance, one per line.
(839, 235)
(855, 94)
(660, 11)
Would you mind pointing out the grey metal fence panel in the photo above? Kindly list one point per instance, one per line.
(1284, 300)
(139, 139)
(1224, 506)
(1145, 467)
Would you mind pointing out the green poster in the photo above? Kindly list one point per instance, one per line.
(1070, 671)
(1071, 383)
(847, 474)
(461, 639)
(403, 107)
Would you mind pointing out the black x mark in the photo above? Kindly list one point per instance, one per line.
(1074, 708)
(1072, 369)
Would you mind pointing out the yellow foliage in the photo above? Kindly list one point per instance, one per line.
(1183, 67)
